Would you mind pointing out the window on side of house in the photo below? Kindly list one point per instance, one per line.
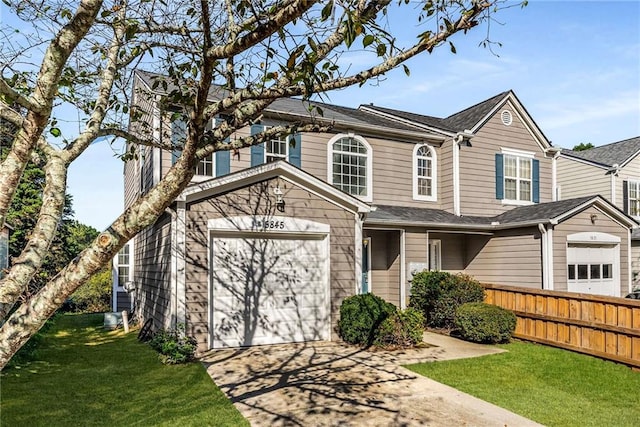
(350, 166)
(632, 198)
(517, 177)
(424, 173)
(124, 265)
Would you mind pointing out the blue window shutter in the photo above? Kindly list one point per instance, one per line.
(535, 181)
(223, 162)
(178, 135)
(499, 177)
(295, 157)
(625, 196)
(257, 151)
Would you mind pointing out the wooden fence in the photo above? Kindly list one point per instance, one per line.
(605, 327)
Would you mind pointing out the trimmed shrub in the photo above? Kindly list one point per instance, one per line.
(361, 316)
(174, 345)
(485, 323)
(404, 328)
(438, 294)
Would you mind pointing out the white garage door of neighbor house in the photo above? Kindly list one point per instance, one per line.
(269, 290)
(593, 268)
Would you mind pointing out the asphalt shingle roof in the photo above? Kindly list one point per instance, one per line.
(539, 212)
(611, 154)
(460, 121)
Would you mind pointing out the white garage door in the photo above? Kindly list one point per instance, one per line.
(269, 290)
(593, 268)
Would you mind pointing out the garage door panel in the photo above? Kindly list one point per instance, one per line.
(593, 268)
(284, 284)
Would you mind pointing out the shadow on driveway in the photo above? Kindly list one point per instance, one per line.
(329, 384)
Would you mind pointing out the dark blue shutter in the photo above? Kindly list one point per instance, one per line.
(535, 181)
(257, 151)
(223, 158)
(625, 197)
(295, 150)
(178, 135)
(499, 177)
(223, 162)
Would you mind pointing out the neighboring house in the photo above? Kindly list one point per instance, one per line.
(612, 171)
(267, 242)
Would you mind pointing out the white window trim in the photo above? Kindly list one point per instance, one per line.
(265, 145)
(434, 174)
(369, 196)
(518, 154)
(631, 182)
(116, 265)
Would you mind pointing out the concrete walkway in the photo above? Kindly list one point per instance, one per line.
(328, 384)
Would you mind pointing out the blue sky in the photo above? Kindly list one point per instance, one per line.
(575, 66)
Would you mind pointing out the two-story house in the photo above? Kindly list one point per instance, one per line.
(267, 241)
(612, 171)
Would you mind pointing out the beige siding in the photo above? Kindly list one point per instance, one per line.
(258, 200)
(385, 264)
(153, 272)
(445, 176)
(577, 179)
(477, 165)
(511, 257)
(579, 223)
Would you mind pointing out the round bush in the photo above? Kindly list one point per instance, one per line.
(404, 328)
(485, 323)
(361, 316)
(438, 294)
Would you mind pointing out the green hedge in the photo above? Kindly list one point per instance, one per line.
(404, 328)
(438, 294)
(360, 317)
(485, 323)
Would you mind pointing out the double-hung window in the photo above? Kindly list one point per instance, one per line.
(350, 165)
(632, 198)
(276, 149)
(517, 177)
(206, 166)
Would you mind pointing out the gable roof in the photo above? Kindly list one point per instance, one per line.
(282, 169)
(457, 122)
(521, 216)
(617, 153)
(298, 109)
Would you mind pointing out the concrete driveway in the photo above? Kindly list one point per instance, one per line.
(328, 384)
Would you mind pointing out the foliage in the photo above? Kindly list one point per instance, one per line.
(361, 316)
(485, 323)
(583, 147)
(403, 328)
(174, 345)
(437, 294)
(81, 57)
(570, 389)
(92, 297)
(88, 376)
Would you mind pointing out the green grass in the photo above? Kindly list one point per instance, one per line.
(548, 385)
(86, 376)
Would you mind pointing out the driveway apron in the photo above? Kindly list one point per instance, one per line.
(330, 384)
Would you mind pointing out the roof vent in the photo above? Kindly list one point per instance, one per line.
(507, 119)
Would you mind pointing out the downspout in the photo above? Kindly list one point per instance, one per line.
(554, 176)
(545, 257)
(173, 278)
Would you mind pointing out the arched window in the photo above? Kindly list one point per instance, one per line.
(424, 173)
(349, 165)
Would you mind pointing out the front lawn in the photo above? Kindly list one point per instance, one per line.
(548, 385)
(85, 375)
